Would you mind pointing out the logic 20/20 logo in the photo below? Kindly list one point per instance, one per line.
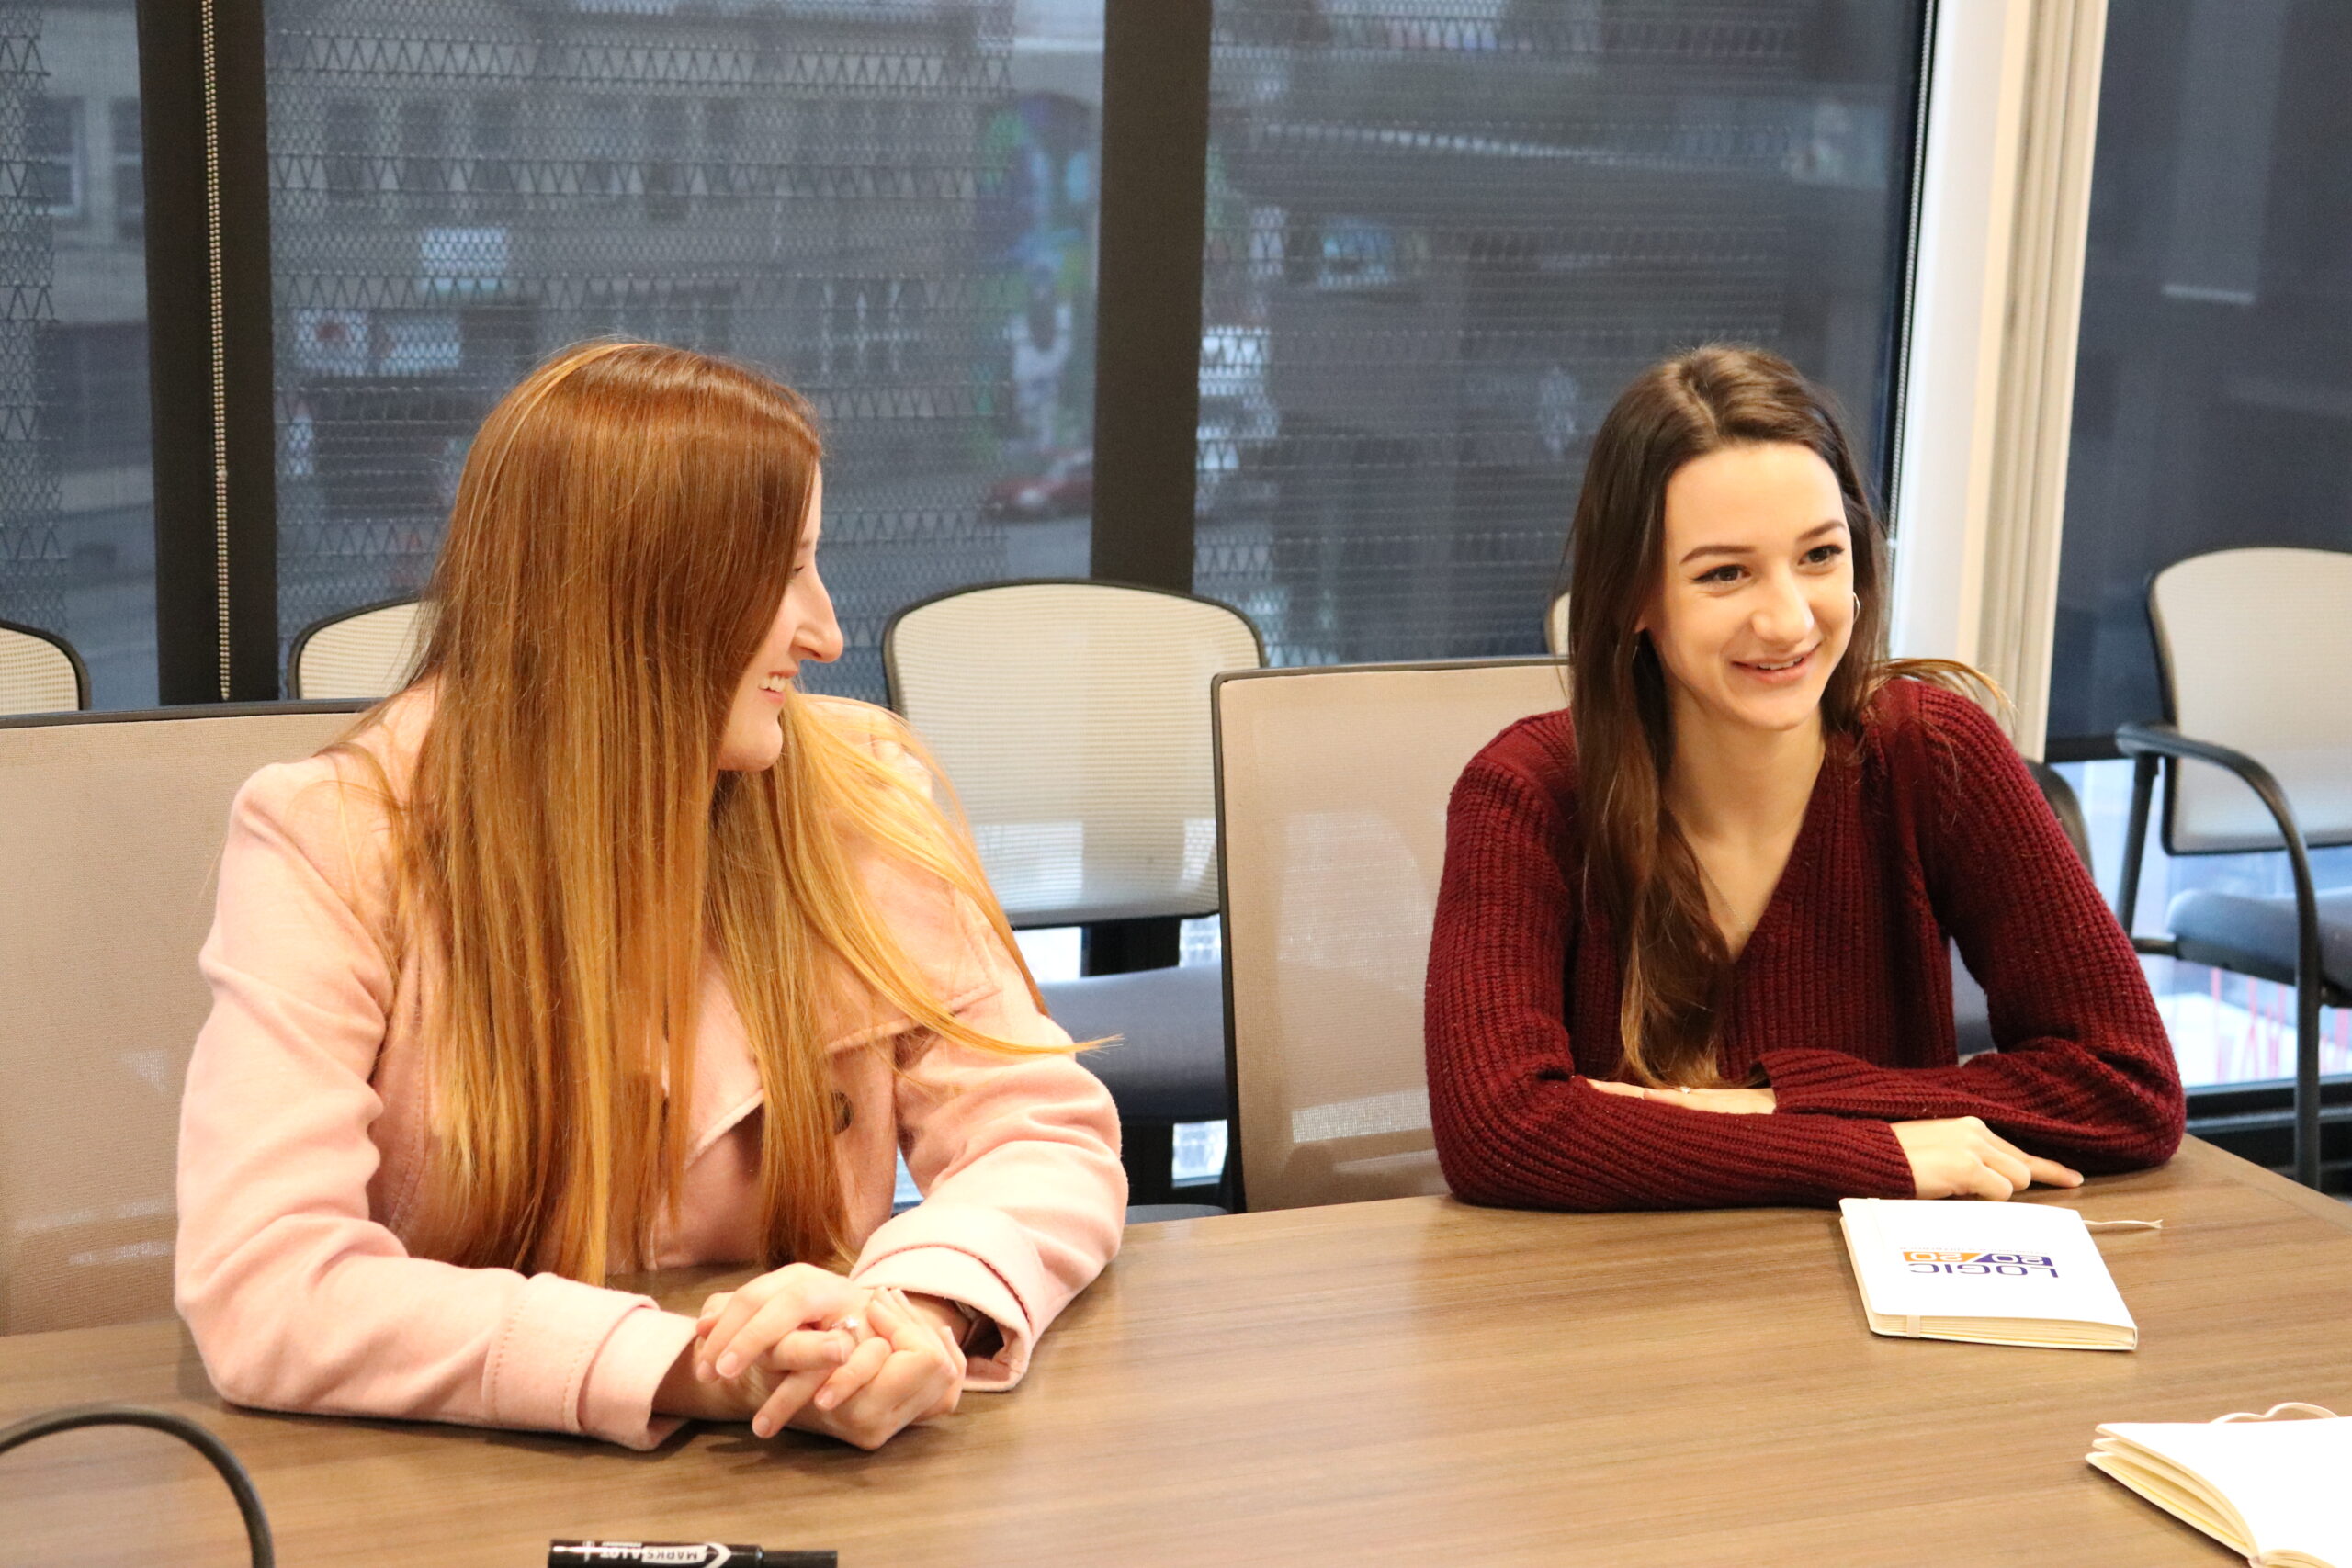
(2016, 1265)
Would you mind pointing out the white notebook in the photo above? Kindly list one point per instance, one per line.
(2271, 1490)
(1988, 1274)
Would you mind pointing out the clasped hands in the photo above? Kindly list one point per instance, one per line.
(1957, 1156)
(802, 1347)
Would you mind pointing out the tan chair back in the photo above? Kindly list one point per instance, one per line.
(1555, 627)
(2256, 650)
(364, 653)
(40, 672)
(110, 832)
(1073, 719)
(1332, 789)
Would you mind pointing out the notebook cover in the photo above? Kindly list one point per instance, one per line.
(1995, 1273)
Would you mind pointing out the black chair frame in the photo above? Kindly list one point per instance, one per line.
(2151, 746)
(2060, 797)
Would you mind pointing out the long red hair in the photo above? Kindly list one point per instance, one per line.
(569, 851)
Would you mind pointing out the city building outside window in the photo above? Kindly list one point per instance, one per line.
(55, 152)
(130, 169)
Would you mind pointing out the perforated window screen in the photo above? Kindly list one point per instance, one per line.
(31, 553)
(2214, 390)
(76, 485)
(889, 204)
(1444, 233)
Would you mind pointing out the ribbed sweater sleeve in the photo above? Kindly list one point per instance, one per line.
(1515, 1123)
(2085, 1073)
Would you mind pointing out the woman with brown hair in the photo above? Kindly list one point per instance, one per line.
(600, 948)
(1691, 947)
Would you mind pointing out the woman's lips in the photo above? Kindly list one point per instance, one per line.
(1786, 675)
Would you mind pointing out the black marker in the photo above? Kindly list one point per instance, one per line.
(678, 1554)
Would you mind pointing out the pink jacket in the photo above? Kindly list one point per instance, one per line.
(304, 1133)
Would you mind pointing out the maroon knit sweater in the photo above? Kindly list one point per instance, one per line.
(1931, 829)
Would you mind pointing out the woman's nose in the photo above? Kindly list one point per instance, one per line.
(820, 633)
(1784, 615)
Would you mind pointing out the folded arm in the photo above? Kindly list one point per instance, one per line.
(1515, 1122)
(2085, 1072)
(298, 1297)
(1018, 1160)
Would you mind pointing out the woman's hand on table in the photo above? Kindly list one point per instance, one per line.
(1962, 1158)
(908, 1369)
(773, 1340)
(805, 1348)
(1724, 1101)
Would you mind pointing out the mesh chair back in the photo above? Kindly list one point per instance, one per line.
(2256, 650)
(38, 673)
(1073, 718)
(1332, 792)
(111, 831)
(367, 653)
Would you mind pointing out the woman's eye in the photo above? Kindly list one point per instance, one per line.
(1720, 575)
(1822, 555)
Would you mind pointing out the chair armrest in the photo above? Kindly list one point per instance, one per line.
(2145, 742)
(2140, 739)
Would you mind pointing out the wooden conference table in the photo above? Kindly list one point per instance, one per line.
(1407, 1381)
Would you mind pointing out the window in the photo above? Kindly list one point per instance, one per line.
(2213, 410)
(940, 313)
(493, 177)
(865, 331)
(664, 174)
(350, 137)
(424, 175)
(722, 129)
(76, 488)
(604, 143)
(92, 390)
(53, 154)
(130, 170)
(2213, 400)
(1443, 234)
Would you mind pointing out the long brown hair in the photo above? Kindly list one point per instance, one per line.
(1675, 967)
(568, 850)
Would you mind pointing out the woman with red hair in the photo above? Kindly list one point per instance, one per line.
(600, 948)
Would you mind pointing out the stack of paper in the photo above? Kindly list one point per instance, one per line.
(1990, 1273)
(2270, 1491)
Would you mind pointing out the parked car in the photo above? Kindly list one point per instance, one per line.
(1064, 488)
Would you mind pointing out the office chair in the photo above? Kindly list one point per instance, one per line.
(1072, 718)
(110, 833)
(1332, 785)
(2254, 647)
(39, 672)
(368, 652)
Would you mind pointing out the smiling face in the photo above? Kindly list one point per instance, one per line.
(1756, 606)
(804, 628)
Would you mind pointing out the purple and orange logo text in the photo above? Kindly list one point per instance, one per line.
(2014, 1265)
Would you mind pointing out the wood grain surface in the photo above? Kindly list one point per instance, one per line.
(1412, 1382)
